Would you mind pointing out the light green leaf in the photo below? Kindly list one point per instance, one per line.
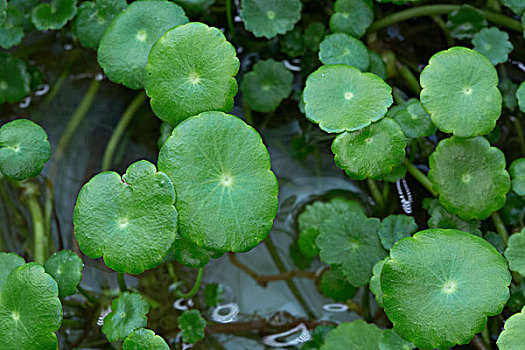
(353, 335)
(270, 17)
(515, 252)
(8, 262)
(372, 152)
(144, 339)
(460, 91)
(125, 45)
(333, 287)
(391, 341)
(513, 333)
(129, 221)
(189, 254)
(128, 313)
(191, 70)
(11, 31)
(517, 173)
(24, 149)
(53, 15)
(266, 85)
(192, 326)
(396, 227)
(520, 95)
(29, 309)
(469, 176)
(440, 285)
(93, 18)
(226, 192)
(351, 240)
(414, 120)
(352, 17)
(375, 282)
(66, 268)
(494, 44)
(15, 81)
(340, 48)
(465, 22)
(341, 98)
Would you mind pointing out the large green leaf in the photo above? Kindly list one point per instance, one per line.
(513, 333)
(66, 268)
(126, 43)
(24, 149)
(341, 98)
(469, 176)
(144, 339)
(128, 313)
(391, 341)
(353, 335)
(129, 221)
(226, 192)
(29, 309)
(460, 91)
(270, 17)
(351, 17)
(191, 70)
(440, 285)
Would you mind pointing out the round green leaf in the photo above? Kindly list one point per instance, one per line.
(513, 333)
(293, 43)
(520, 95)
(341, 98)
(460, 91)
(440, 285)
(29, 309)
(353, 335)
(66, 268)
(144, 339)
(189, 254)
(352, 17)
(8, 261)
(465, 22)
(396, 227)
(372, 152)
(191, 70)
(226, 192)
(266, 85)
(313, 35)
(377, 64)
(128, 312)
(192, 326)
(15, 80)
(93, 18)
(340, 48)
(515, 252)
(469, 176)
(494, 44)
(270, 17)
(375, 282)
(129, 221)
(333, 287)
(24, 149)
(351, 241)
(53, 15)
(124, 47)
(414, 120)
(508, 91)
(391, 341)
(517, 173)
(11, 31)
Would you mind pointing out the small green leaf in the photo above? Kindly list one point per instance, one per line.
(517, 173)
(128, 313)
(465, 22)
(293, 43)
(340, 48)
(513, 333)
(441, 218)
(125, 45)
(8, 262)
(191, 70)
(53, 15)
(15, 80)
(93, 18)
(351, 241)
(396, 227)
(270, 17)
(306, 242)
(414, 120)
(515, 252)
(372, 152)
(496, 240)
(226, 192)
(144, 339)
(341, 98)
(377, 64)
(24, 149)
(318, 336)
(508, 91)
(517, 6)
(391, 341)
(11, 31)
(460, 91)
(352, 17)
(494, 44)
(353, 335)
(375, 282)
(192, 326)
(189, 254)
(469, 176)
(66, 268)
(333, 287)
(29, 309)
(129, 221)
(266, 85)
(313, 35)
(520, 95)
(440, 285)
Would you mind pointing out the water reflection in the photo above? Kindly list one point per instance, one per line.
(303, 336)
(218, 314)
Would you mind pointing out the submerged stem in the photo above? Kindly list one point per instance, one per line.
(195, 288)
(121, 280)
(376, 193)
(120, 128)
(229, 17)
(419, 176)
(519, 131)
(500, 227)
(38, 230)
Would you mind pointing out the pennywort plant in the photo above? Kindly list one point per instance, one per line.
(396, 186)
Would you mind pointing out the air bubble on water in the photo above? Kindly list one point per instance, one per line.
(291, 67)
(233, 311)
(183, 304)
(42, 90)
(304, 336)
(68, 47)
(336, 307)
(237, 19)
(25, 103)
(99, 76)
